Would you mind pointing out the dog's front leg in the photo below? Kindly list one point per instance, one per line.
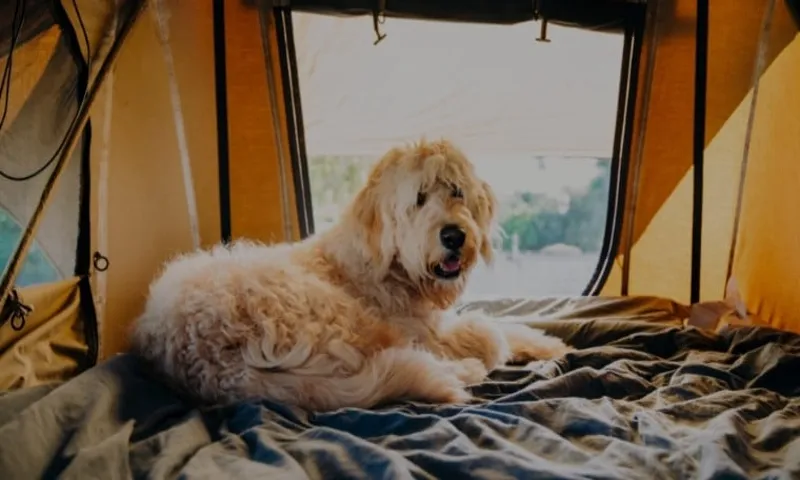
(472, 335)
(528, 343)
(496, 341)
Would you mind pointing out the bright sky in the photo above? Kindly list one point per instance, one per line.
(519, 173)
(493, 90)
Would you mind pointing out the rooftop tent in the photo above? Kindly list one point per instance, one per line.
(188, 139)
(199, 118)
(197, 135)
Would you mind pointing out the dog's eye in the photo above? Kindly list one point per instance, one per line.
(457, 193)
(421, 198)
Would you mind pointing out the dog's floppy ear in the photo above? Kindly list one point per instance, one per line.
(487, 207)
(367, 212)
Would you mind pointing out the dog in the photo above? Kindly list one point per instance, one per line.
(356, 316)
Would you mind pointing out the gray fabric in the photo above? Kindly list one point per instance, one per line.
(642, 399)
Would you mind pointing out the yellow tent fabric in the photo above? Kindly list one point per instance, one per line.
(158, 142)
(54, 343)
(767, 259)
(657, 224)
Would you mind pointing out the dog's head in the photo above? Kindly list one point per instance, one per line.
(425, 216)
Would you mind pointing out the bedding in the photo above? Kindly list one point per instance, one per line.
(645, 397)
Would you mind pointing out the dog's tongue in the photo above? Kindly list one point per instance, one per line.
(451, 264)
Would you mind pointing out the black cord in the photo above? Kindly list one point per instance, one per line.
(85, 37)
(5, 84)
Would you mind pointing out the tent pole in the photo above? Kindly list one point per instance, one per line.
(73, 135)
(758, 71)
(700, 81)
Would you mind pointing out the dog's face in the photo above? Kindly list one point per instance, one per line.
(424, 211)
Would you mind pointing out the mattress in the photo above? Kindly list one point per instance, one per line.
(645, 397)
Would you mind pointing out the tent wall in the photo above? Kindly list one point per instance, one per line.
(144, 130)
(767, 259)
(155, 163)
(659, 203)
(47, 331)
(262, 192)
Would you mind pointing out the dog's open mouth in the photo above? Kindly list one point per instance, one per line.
(449, 267)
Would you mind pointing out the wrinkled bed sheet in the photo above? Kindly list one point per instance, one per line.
(644, 398)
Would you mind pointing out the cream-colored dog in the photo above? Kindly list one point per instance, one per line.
(355, 316)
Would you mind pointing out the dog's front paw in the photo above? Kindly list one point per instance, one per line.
(529, 344)
(469, 370)
(449, 389)
(457, 396)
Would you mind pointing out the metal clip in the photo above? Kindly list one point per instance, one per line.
(378, 19)
(543, 32)
(100, 262)
(15, 311)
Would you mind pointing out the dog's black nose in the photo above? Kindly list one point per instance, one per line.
(452, 237)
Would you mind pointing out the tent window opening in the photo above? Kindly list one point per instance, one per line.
(538, 120)
(39, 99)
(38, 267)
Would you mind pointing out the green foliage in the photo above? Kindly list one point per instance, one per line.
(537, 222)
(37, 267)
(335, 179)
(535, 219)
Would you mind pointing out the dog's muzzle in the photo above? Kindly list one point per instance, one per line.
(452, 238)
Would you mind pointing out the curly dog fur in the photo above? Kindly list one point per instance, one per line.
(353, 317)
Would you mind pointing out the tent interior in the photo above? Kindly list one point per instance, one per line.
(642, 152)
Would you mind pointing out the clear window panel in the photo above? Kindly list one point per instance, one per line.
(537, 120)
(37, 267)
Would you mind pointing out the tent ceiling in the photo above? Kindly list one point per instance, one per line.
(37, 19)
(593, 14)
(794, 8)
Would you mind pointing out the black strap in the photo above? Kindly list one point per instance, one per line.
(700, 83)
(83, 253)
(221, 80)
